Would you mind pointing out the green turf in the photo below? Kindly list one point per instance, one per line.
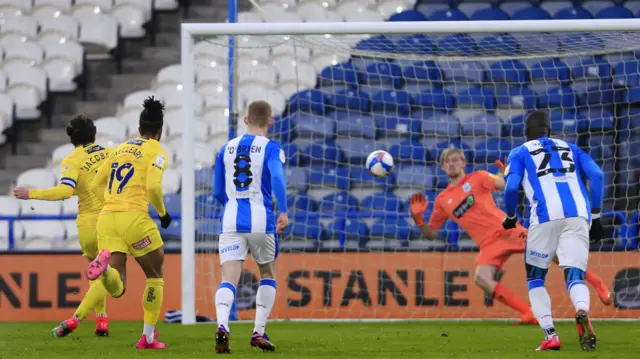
(465, 340)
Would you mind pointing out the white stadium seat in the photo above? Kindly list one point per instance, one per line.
(71, 230)
(18, 230)
(216, 102)
(32, 207)
(37, 178)
(23, 25)
(386, 8)
(106, 141)
(60, 153)
(102, 4)
(248, 94)
(173, 101)
(211, 88)
(362, 15)
(171, 74)
(302, 73)
(289, 50)
(321, 59)
(28, 52)
(253, 47)
(251, 72)
(174, 125)
(131, 19)
(132, 128)
(145, 5)
(58, 29)
(166, 5)
(171, 181)
(131, 118)
(217, 74)
(249, 17)
(69, 50)
(70, 205)
(42, 234)
(7, 108)
(9, 206)
(133, 101)
(9, 12)
(27, 88)
(63, 63)
(205, 155)
(111, 128)
(327, 16)
(99, 29)
(61, 4)
(24, 5)
(3, 81)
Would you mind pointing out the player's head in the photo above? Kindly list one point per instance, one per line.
(259, 115)
(537, 125)
(151, 118)
(452, 162)
(81, 130)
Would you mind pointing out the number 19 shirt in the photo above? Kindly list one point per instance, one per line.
(551, 172)
(248, 171)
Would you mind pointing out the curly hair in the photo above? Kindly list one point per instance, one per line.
(81, 130)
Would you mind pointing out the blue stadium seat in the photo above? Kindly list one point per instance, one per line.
(207, 205)
(428, 74)
(531, 13)
(633, 96)
(281, 129)
(382, 73)
(491, 150)
(309, 229)
(435, 98)
(603, 94)
(386, 201)
(515, 96)
(348, 230)
(591, 68)
(441, 178)
(510, 71)
(483, 124)
(489, 14)
(558, 97)
(407, 15)
(314, 126)
(340, 74)
(361, 178)
(307, 101)
(551, 70)
(320, 153)
(629, 122)
(356, 150)
(627, 73)
(355, 125)
(398, 127)
(412, 152)
(598, 119)
(498, 45)
(448, 15)
(474, 97)
(471, 7)
(204, 178)
(291, 153)
(379, 43)
(537, 43)
(391, 101)
(463, 71)
(414, 176)
(207, 228)
(572, 13)
(391, 229)
(301, 202)
(415, 44)
(338, 202)
(438, 124)
(456, 45)
(350, 99)
(435, 146)
(297, 178)
(614, 12)
(600, 147)
(594, 6)
(563, 121)
(329, 176)
(581, 41)
(512, 7)
(172, 204)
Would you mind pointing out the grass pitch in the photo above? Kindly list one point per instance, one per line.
(467, 340)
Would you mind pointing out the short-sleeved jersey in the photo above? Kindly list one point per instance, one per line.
(551, 179)
(470, 204)
(247, 183)
(129, 165)
(78, 172)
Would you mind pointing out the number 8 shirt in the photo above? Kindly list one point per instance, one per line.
(243, 165)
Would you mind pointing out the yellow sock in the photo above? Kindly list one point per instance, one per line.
(101, 305)
(112, 282)
(94, 295)
(152, 300)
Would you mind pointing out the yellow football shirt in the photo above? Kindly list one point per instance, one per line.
(133, 177)
(76, 178)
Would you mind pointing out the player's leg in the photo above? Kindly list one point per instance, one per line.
(605, 295)
(573, 254)
(110, 265)
(542, 243)
(88, 238)
(145, 244)
(233, 250)
(264, 249)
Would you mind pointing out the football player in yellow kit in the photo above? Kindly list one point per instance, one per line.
(78, 172)
(133, 178)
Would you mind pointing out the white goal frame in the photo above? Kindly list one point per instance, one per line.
(191, 30)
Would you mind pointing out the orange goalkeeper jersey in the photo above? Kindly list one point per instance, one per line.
(471, 206)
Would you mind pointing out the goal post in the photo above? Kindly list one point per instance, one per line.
(420, 280)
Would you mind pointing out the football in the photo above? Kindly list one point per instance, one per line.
(380, 164)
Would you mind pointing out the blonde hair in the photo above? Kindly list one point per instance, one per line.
(259, 113)
(450, 151)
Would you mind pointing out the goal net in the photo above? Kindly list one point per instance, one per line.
(342, 90)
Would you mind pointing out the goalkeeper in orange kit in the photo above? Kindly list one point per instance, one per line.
(468, 202)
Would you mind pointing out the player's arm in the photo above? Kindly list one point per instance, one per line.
(418, 205)
(498, 178)
(596, 180)
(65, 188)
(513, 174)
(492, 182)
(154, 183)
(219, 187)
(275, 164)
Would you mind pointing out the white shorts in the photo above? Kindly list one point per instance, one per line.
(235, 246)
(567, 238)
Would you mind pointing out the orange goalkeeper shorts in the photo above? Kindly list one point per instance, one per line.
(498, 249)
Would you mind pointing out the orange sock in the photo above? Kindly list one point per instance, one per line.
(510, 299)
(593, 279)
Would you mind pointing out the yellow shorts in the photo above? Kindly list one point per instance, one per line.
(87, 234)
(132, 233)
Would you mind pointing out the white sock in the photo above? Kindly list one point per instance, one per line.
(541, 308)
(579, 294)
(224, 301)
(264, 303)
(148, 332)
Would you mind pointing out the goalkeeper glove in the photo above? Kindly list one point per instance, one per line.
(510, 222)
(417, 206)
(596, 232)
(165, 221)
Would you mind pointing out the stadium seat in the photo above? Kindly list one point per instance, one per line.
(111, 127)
(447, 15)
(352, 125)
(33, 207)
(572, 13)
(25, 26)
(310, 100)
(515, 97)
(9, 206)
(42, 234)
(341, 74)
(627, 73)
(414, 176)
(483, 124)
(133, 102)
(471, 7)
(382, 73)
(436, 124)
(411, 152)
(564, 122)
(382, 202)
(389, 233)
(401, 127)
(313, 126)
(507, 71)
(63, 64)
(338, 202)
(60, 153)
(498, 45)
(351, 232)
(365, 15)
(309, 229)
(476, 98)
(321, 152)
(468, 72)
(550, 71)
(356, 150)
(329, 176)
(558, 97)
(29, 52)
(434, 99)
(614, 12)
(27, 88)
(456, 45)
(530, 13)
(350, 99)
(581, 41)
(406, 15)
(389, 101)
(99, 30)
(70, 205)
(301, 202)
(599, 120)
(171, 181)
(297, 178)
(536, 43)
(591, 68)
(55, 30)
(425, 73)
(36, 178)
(489, 14)
(491, 150)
